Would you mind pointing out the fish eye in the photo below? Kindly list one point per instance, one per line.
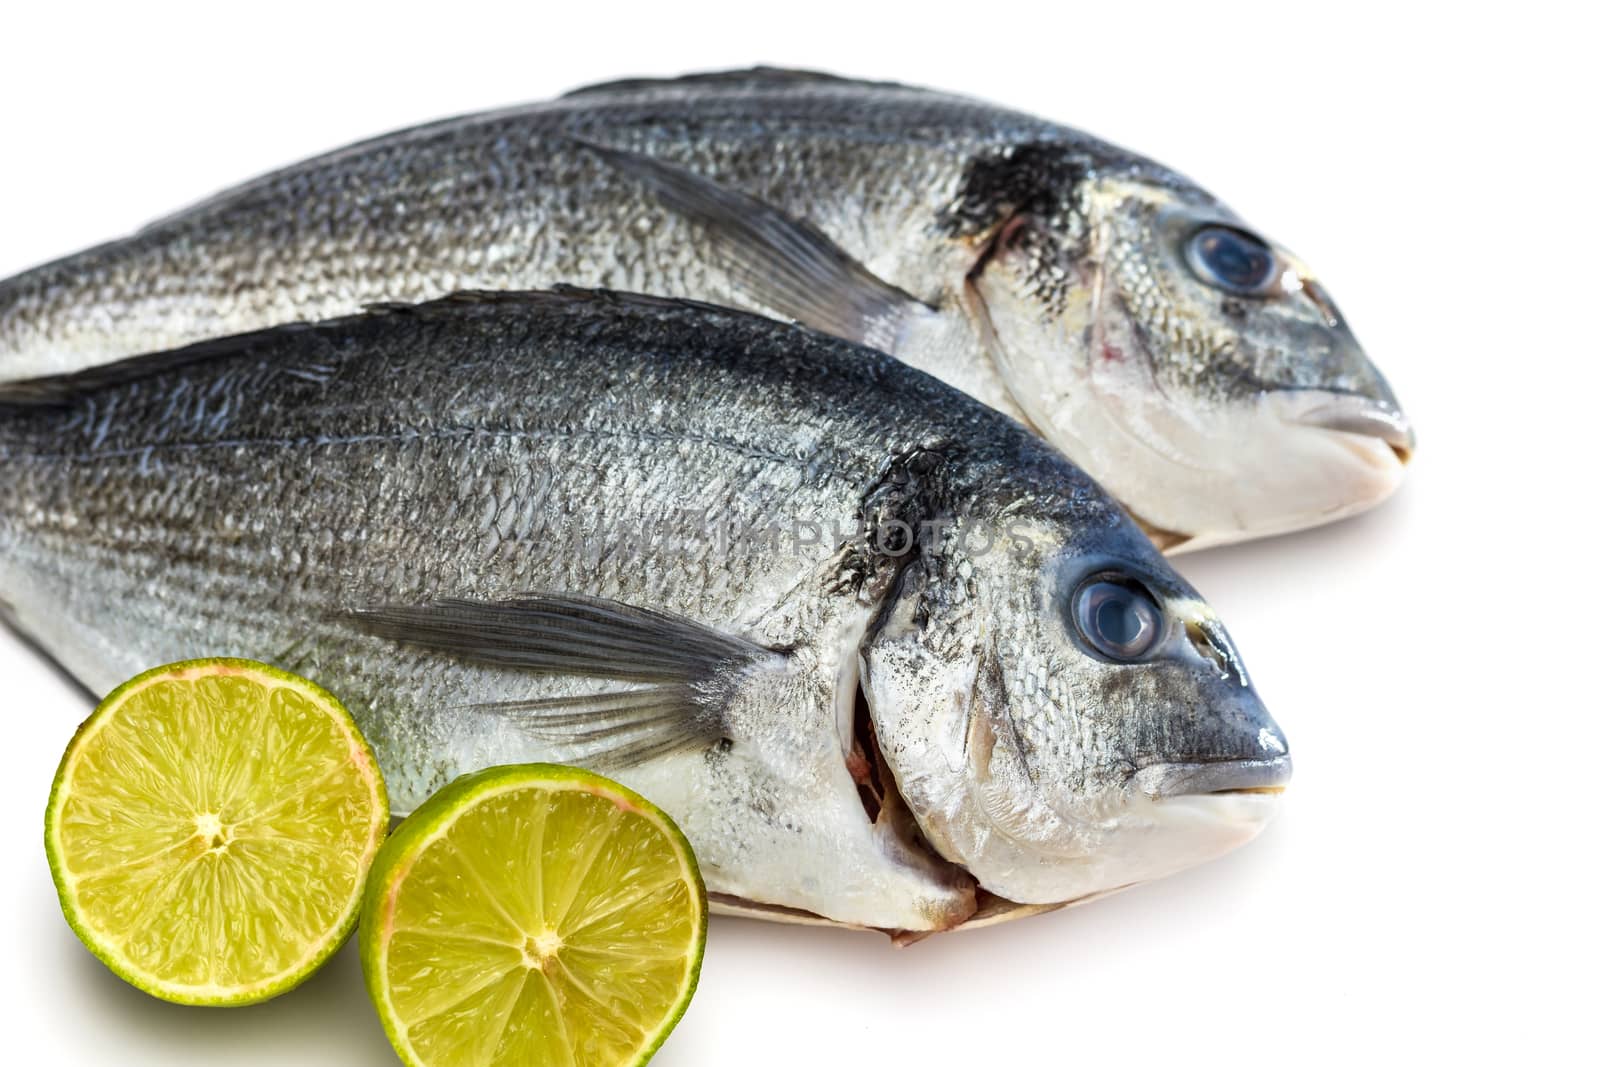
(1117, 617)
(1233, 260)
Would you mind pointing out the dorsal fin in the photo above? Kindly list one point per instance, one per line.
(748, 78)
(63, 389)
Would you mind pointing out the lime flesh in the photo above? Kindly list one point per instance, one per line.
(210, 830)
(533, 915)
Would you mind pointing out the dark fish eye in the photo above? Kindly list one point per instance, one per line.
(1119, 619)
(1233, 260)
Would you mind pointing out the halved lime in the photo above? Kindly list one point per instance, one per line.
(533, 915)
(211, 828)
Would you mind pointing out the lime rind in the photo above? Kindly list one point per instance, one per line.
(434, 818)
(320, 950)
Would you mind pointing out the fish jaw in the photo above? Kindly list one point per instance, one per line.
(1167, 820)
(1137, 837)
(1180, 815)
(1159, 836)
(1151, 838)
(1253, 470)
(1201, 472)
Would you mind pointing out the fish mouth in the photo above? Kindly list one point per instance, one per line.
(1353, 414)
(1214, 778)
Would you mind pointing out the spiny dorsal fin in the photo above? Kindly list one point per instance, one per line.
(64, 389)
(558, 295)
(686, 671)
(748, 78)
(778, 261)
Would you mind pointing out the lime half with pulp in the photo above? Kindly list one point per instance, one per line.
(210, 830)
(533, 915)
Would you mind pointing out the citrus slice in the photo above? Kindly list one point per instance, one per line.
(210, 830)
(533, 915)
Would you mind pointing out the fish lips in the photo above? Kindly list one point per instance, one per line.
(1161, 781)
(1351, 413)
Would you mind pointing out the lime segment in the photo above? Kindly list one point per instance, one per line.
(534, 915)
(210, 830)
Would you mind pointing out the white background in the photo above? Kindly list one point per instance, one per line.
(1428, 891)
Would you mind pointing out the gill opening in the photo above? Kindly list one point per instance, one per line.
(989, 341)
(877, 789)
(865, 760)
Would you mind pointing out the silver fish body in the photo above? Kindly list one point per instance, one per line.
(1200, 374)
(883, 653)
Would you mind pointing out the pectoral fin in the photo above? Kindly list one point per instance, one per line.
(780, 262)
(682, 673)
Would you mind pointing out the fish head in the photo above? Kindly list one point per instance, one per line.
(1062, 722)
(1202, 373)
